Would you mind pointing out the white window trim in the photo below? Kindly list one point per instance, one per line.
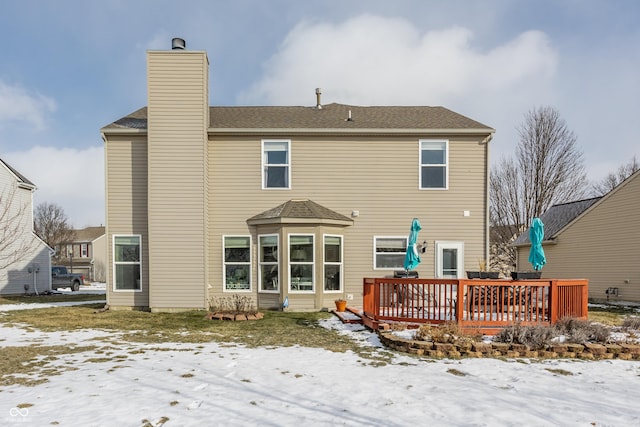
(263, 165)
(224, 264)
(375, 258)
(341, 263)
(84, 250)
(439, 246)
(446, 165)
(113, 262)
(313, 264)
(260, 264)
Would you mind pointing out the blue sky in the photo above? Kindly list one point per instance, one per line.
(68, 68)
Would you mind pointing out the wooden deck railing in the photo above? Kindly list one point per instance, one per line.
(479, 304)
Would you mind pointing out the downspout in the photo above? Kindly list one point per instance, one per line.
(487, 254)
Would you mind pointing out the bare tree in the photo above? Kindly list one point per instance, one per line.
(17, 240)
(548, 169)
(52, 225)
(612, 180)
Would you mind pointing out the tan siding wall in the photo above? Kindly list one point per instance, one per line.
(99, 255)
(602, 246)
(178, 120)
(378, 176)
(126, 210)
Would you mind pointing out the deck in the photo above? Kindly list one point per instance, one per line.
(481, 305)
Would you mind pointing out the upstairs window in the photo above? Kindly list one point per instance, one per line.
(390, 252)
(237, 263)
(433, 164)
(276, 164)
(84, 252)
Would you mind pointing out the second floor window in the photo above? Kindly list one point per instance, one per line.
(433, 164)
(276, 168)
(84, 252)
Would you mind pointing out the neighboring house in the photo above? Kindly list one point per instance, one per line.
(275, 203)
(597, 239)
(25, 260)
(87, 254)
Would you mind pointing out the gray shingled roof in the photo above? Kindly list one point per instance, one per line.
(557, 217)
(331, 116)
(20, 177)
(300, 210)
(88, 234)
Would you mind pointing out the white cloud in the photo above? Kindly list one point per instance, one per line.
(18, 104)
(70, 178)
(373, 60)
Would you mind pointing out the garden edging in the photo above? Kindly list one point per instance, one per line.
(588, 351)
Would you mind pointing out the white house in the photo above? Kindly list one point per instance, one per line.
(25, 260)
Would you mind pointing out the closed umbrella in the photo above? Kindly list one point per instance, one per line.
(412, 257)
(536, 235)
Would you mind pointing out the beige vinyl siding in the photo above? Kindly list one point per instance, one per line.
(375, 175)
(177, 121)
(602, 246)
(126, 210)
(99, 255)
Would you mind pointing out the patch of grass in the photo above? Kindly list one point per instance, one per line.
(32, 365)
(456, 372)
(611, 315)
(278, 329)
(44, 299)
(562, 372)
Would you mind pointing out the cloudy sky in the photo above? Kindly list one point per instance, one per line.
(68, 68)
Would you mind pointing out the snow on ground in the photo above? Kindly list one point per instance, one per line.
(175, 384)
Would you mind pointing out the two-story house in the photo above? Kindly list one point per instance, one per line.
(86, 254)
(275, 202)
(25, 260)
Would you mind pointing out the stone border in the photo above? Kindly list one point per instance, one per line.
(588, 351)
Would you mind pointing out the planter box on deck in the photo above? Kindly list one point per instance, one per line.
(518, 275)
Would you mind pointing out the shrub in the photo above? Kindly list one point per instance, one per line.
(537, 337)
(445, 333)
(580, 331)
(234, 304)
(631, 323)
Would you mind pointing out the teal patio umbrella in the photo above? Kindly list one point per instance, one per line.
(536, 235)
(412, 257)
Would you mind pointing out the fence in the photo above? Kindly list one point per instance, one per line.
(477, 304)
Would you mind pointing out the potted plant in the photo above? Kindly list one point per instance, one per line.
(341, 304)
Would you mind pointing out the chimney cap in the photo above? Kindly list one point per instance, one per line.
(178, 44)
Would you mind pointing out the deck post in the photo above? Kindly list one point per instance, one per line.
(460, 301)
(553, 302)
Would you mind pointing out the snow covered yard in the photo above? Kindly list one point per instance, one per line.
(113, 382)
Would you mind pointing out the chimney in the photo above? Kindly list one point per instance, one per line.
(318, 103)
(178, 44)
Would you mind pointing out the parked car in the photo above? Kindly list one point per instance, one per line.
(61, 278)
